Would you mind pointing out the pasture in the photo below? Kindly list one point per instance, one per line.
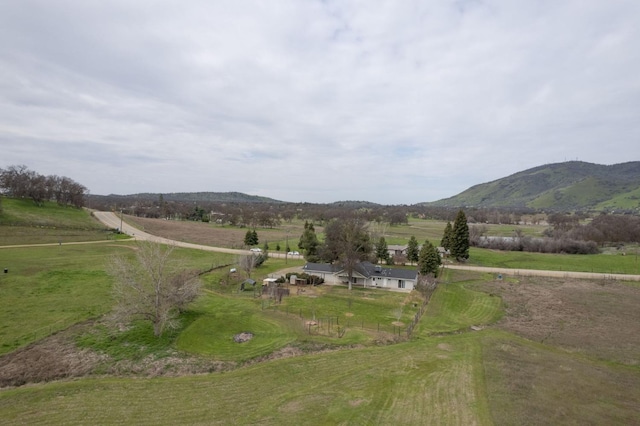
(224, 236)
(22, 222)
(519, 350)
(446, 374)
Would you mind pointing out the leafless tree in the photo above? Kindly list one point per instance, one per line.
(248, 263)
(347, 241)
(152, 287)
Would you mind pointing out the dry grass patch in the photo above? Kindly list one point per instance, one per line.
(214, 235)
(529, 383)
(597, 318)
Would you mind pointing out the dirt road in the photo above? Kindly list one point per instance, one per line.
(111, 220)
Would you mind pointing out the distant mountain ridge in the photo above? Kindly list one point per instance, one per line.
(216, 197)
(572, 185)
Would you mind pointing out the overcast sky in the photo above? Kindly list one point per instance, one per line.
(395, 102)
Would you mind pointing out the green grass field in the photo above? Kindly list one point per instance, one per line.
(447, 373)
(606, 263)
(23, 222)
(47, 289)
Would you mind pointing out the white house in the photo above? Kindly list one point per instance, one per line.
(366, 274)
(397, 250)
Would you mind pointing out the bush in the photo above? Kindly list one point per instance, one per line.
(309, 279)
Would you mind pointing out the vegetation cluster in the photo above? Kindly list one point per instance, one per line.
(482, 351)
(20, 182)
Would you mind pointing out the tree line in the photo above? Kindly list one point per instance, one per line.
(567, 233)
(347, 241)
(20, 182)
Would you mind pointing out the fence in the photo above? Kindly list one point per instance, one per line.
(336, 326)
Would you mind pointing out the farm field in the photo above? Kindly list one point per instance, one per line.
(513, 367)
(522, 350)
(215, 235)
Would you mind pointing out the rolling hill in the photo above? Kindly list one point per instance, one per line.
(217, 197)
(573, 185)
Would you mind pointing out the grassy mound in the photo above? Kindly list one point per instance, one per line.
(23, 222)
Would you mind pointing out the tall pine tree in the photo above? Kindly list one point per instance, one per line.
(447, 237)
(382, 250)
(412, 250)
(429, 260)
(460, 241)
(308, 242)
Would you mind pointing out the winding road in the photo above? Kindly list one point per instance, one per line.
(111, 220)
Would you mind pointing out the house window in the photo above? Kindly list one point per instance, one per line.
(400, 283)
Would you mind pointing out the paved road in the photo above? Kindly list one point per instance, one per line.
(113, 221)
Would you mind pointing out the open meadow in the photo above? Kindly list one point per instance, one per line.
(519, 350)
(611, 261)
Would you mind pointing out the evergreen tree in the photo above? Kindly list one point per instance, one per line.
(251, 238)
(266, 246)
(447, 237)
(460, 238)
(248, 238)
(309, 241)
(412, 250)
(382, 250)
(429, 259)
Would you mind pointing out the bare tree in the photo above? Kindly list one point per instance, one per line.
(347, 241)
(152, 287)
(248, 263)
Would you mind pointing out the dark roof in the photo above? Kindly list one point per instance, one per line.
(321, 267)
(366, 269)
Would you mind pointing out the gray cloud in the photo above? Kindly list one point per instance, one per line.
(393, 102)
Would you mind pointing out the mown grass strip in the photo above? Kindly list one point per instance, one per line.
(416, 383)
(454, 307)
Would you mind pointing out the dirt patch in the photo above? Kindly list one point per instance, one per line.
(53, 358)
(348, 314)
(398, 323)
(58, 357)
(599, 318)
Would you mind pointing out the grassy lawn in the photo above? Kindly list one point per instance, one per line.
(428, 383)
(360, 314)
(23, 222)
(47, 289)
(528, 364)
(50, 288)
(455, 307)
(220, 318)
(600, 263)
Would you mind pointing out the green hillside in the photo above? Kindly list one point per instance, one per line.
(24, 222)
(572, 185)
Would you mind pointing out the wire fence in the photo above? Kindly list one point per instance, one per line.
(336, 325)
